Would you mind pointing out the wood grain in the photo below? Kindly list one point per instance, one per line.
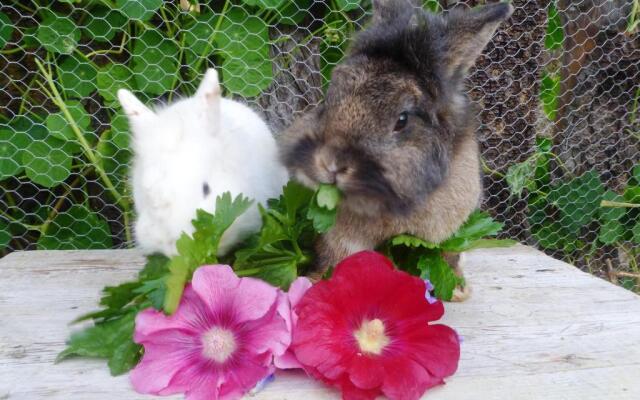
(534, 328)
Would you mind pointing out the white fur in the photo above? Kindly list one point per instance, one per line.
(204, 138)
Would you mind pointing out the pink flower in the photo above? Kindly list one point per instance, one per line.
(220, 342)
(296, 291)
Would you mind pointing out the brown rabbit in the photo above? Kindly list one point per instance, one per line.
(396, 132)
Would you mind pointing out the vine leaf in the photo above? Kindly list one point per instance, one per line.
(58, 34)
(76, 228)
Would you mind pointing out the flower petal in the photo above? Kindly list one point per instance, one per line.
(366, 372)
(436, 348)
(161, 361)
(406, 379)
(297, 289)
(191, 316)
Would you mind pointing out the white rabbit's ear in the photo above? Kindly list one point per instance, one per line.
(209, 88)
(131, 105)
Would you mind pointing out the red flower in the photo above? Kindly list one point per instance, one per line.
(366, 331)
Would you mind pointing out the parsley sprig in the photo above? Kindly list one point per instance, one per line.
(280, 252)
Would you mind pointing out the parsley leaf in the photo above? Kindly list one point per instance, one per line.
(425, 259)
(202, 247)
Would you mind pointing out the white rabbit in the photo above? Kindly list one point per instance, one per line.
(189, 152)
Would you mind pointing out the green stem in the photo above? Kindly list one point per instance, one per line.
(487, 170)
(213, 35)
(618, 204)
(12, 51)
(15, 220)
(176, 76)
(163, 14)
(57, 99)
(56, 207)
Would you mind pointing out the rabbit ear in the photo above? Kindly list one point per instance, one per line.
(132, 106)
(209, 88)
(467, 32)
(388, 10)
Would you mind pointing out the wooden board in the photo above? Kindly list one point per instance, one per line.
(535, 328)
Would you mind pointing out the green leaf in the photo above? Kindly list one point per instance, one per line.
(202, 247)
(477, 226)
(550, 235)
(5, 234)
(76, 228)
(12, 145)
(347, 5)
(78, 76)
(103, 23)
(113, 158)
(432, 5)
(611, 213)
(549, 94)
(323, 219)
(244, 41)
(112, 339)
(520, 176)
(154, 62)
(198, 36)
(112, 77)
(636, 174)
(328, 196)
(48, 162)
(555, 33)
(578, 200)
(295, 196)
(6, 29)
(58, 34)
(294, 12)
(247, 77)
(141, 10)
(412, 241)
(632, 194)
(124, 357)
(279, 274)
(265, 4)
(636, 232)
(61, 128)
(435, 268)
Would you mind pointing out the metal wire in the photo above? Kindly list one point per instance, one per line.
(558, 89)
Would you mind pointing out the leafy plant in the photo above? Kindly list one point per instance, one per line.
(427, 260)
(69, 135)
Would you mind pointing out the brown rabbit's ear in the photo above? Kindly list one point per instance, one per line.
(388, 10)
(467, 34)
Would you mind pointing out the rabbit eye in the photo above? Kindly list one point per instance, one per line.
(401, 122)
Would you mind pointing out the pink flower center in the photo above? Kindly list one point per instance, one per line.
(370, 337)
(218, 344)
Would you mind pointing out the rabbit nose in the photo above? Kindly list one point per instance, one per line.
(328, 170)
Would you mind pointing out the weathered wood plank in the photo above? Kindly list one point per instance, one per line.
(534, 328)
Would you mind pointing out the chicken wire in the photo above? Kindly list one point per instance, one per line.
(557, 91)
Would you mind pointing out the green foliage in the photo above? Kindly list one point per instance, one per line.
(425, 259)
(58, 34)
(87, 50)
(277, 254)
(555, 33)
(563, 213)
(549, 94)
(282, 249)
(322, 209)
(202, 246)
(6, 29)
(62, 233)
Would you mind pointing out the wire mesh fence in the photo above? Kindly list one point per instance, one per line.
(558, 93)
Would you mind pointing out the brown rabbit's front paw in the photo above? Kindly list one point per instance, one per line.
(462, 292)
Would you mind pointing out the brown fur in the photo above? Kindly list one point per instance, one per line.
(418, 175)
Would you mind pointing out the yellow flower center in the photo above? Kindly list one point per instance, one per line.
(371, 337)
(218, 344)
